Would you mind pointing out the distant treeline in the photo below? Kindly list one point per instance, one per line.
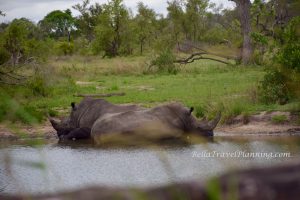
(112, 29)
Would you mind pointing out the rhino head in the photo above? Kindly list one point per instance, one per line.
(180, 117)
(197, 126)
(206, 127)
(62, 127)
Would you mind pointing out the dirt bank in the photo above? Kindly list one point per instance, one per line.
(265, 123)
(17, 131)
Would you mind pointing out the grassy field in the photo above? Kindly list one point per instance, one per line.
(206, 85)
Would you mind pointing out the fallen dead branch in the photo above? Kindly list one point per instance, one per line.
(199, 56)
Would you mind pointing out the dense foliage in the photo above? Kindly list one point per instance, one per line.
(111, 29)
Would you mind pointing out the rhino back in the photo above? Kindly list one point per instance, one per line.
(161, 117)
(121, 122)
(89, 110)
(86, 112)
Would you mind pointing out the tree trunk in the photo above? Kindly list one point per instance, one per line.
(69, 37)
(141, 46)
(243, 7)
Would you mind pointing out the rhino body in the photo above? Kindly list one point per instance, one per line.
(95, 118)
(83, 117)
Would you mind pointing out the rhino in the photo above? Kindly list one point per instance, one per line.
(96, 118)
(83, 116)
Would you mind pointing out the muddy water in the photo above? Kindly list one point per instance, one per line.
(52, 167)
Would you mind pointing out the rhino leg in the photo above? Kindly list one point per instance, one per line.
(79, 134)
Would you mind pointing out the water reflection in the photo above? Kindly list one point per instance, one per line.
(58, 166)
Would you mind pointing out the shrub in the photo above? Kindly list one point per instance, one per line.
(12, 111)
(289, 55)
(260, 42)
(279, 85)
(273, 89)
(39, 49)
(83, 47)
(38, 86)
(4, 56)
(214, 35)
(65, 48)
(165, 62)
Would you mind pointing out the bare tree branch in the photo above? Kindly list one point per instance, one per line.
(198, 56)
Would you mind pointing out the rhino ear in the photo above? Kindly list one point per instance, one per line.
(191, 110)
(73, 106)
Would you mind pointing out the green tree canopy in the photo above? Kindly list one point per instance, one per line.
(15, 37)
(112, 25)
(88, 18)
(58, 23)
(145, 20)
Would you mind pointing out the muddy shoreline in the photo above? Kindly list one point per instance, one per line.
(260, 124)
(264, 123)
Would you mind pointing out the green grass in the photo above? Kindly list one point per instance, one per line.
(206, 85)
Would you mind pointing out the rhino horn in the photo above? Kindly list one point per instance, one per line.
(55, 123)
(211, 125)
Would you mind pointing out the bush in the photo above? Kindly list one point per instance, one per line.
(273, 89)
(65, 48)
(12, 111)
(289, 55)
(38, 86)
(260, 42)
(4, 56)
(83, 47)
(39, 49)
(214, 35)
(165, 62)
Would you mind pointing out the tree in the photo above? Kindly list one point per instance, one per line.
(15, 36)
(176, 17)
(195, 15)
(243, 7)
(112, 25)
(87, 21)
(58, 24)
(145, 20)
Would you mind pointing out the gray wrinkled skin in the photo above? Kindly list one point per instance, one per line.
(96, 117)
(172, 117)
